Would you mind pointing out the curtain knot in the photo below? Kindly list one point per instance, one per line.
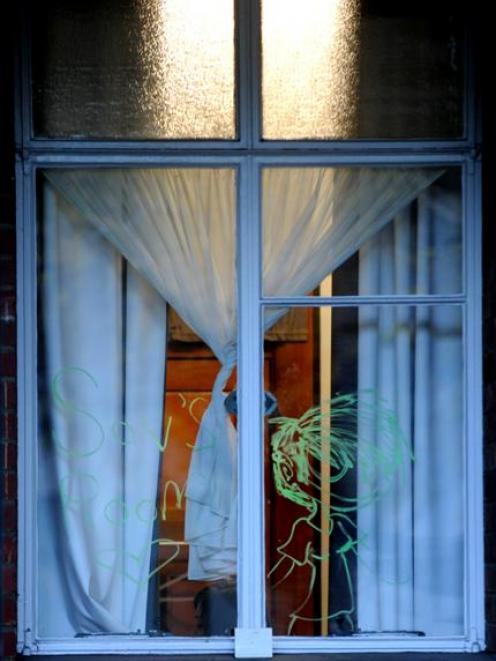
(229, 356)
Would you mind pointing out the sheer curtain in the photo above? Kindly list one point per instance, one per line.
(104, 337)
(176, 227)
(410, 560)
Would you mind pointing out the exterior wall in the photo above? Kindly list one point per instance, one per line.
(8, 451)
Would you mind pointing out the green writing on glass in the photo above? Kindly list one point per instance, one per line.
(353, 429)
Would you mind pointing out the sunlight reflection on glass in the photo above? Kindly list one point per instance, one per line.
(309, 68)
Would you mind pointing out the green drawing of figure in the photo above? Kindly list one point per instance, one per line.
(340, 435)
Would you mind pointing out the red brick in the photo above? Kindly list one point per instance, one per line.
(7, 240)
(9, 579)
(490, 456)
(490, 486)
(10, 485)
(9, 550)
(490, 517)
(8, 396)
(491, 637)
(7, 273)
(9, 516)
(7, 203)
(7, 363)
(9, 643)
(9, 456)
(8, 428)
(9, 610)
(8, 307)
(9, 339)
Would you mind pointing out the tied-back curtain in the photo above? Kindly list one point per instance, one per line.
(104, 339)
(177, 228)
(410, 554)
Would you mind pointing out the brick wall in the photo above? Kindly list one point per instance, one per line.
(8, 456)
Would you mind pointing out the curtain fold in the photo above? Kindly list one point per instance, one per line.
(410, 560)
(177, 228)
(104, 339)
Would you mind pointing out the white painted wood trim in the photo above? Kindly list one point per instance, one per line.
(163, 645)
(251, 583)
(281, 645)
(253, 643)
(325, 350)
(474, 514)
(249, 153)
(27, 405)
(376, 643)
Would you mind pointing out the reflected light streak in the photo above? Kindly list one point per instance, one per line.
(310, 68)
(197, 61)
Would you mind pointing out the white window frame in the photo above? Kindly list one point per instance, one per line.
(249, 155)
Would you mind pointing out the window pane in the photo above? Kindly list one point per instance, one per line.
(364, 472)
(134, 69)
(361, 69)
(137, 492)
(375, 230)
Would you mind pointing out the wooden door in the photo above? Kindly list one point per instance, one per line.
(191, 372)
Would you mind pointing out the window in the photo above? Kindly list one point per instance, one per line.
(251, 412)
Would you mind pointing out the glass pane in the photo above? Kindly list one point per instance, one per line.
(364, 472)
(137, 492)
(361, 69)
(134, 69)
(374, 230)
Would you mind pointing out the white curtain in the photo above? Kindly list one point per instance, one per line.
(177, 228)
(410, 559)
(104, 335)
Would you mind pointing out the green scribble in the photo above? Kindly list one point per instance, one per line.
(121, 431)
(139, 508)
(341, 434)
(199, 398)
(124, 562)
(117, 511)
(178, 492)
(90, 492)
(168, 426)
(125, 434)
(121, 514)
(66, 407)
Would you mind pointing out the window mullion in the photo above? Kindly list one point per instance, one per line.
(252, 637)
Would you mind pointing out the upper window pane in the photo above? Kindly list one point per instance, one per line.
(361, 69)
(134, 69)
(376, 231)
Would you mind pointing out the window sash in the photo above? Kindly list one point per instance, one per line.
(251, 573)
